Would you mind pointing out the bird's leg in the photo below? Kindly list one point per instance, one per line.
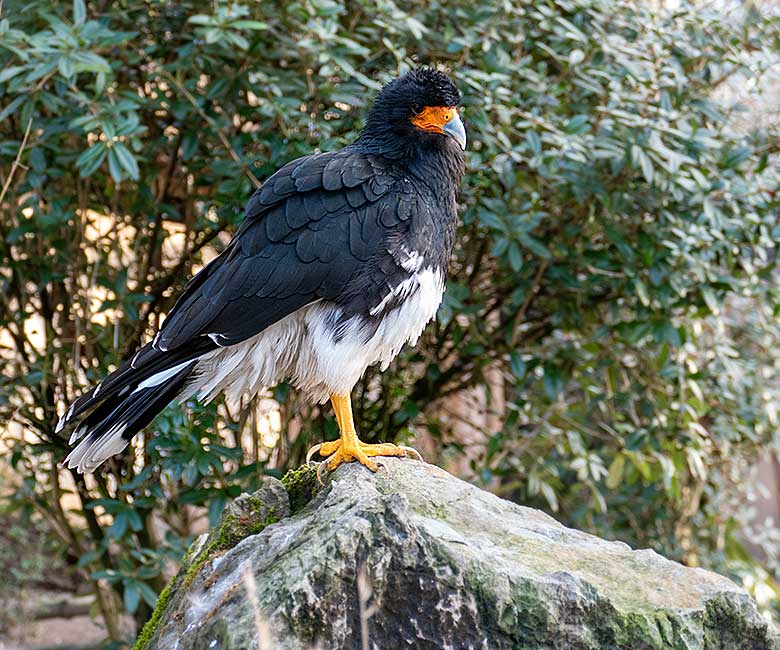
(349, 447)
(324, 448)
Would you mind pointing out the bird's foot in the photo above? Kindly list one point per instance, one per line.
(347, 450)
(349, 447)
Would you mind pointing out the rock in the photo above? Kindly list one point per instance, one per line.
(411, 557)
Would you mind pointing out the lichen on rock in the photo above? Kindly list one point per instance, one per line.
(414, 558)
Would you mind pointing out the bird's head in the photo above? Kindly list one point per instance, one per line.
(419, 107)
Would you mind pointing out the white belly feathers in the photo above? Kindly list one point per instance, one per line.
(318, 351)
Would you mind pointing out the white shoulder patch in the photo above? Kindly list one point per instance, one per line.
(409, 260)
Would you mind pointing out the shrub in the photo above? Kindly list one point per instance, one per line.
(615, 264)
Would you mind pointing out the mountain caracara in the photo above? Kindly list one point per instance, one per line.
(339, 262)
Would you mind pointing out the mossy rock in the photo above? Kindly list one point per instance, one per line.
(415, 558)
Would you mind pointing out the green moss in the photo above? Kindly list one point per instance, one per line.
(302, 486)
(154, 620)
(231, 530)
(234, 528)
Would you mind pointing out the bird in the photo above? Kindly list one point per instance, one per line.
(339, 262)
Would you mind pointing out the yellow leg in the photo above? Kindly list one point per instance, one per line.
(337, 411)
(349, 447)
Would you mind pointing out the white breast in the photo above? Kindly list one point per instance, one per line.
(317, 350)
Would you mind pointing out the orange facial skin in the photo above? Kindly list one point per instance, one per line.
(433, 118)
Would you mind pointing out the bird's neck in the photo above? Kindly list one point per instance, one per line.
(440, 168)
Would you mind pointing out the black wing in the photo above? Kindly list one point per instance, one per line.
(307, 231)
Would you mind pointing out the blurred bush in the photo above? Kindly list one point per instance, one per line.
(614, 278)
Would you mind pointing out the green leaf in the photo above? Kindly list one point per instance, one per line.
(710, 300)
(615, 473)
(147, 593)
(534, 142)
(200, 19)
(126, 160)
(641, 292)
(189, 145)
(216, 506)
(517, 365)
(107, 574)
(500, 246)
(643, 161)
(11, 71)
(119, 527)
(620, 242)
(11, 108)
(515, 256)
(89, 62)
(213, 35)
(491, 220)
(250, 24)
(79, 12)
(549, 494)
(131, 596)
(90, 556)
(711, 212)
(37, 160)
(762, 162)
(114, 165)
(237, 40)
(91, 159)
(577, 124)
(534, 245)
(553, 382)
(737, 156)
(66, 67)
(134, 519)
(598, 498)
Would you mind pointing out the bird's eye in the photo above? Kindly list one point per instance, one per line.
(416, 109)
(447, 117)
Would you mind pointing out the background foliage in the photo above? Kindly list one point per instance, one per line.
(612, 300)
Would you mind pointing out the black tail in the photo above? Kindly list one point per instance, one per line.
(125, 402)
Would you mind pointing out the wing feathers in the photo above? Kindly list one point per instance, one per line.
(308, 229)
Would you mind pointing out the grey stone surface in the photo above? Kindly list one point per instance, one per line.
(411, 557)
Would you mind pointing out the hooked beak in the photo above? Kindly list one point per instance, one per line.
(455, 129)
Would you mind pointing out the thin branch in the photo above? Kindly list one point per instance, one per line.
(535, 286)
(17, 162)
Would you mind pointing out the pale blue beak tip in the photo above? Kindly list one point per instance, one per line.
(455, 129)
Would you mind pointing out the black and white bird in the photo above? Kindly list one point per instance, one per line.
(339, 263)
